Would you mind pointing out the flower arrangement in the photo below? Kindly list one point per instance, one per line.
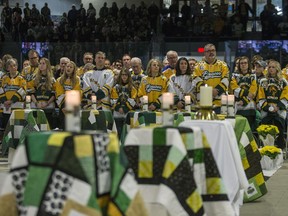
(264, 130)
(270, 151)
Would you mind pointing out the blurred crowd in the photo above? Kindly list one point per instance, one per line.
(140, 23)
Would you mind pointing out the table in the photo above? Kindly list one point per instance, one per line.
(70, 174)
(251, 157)
(221, 136)
(175, 167)
(249, 153)
(22, 122)
(98, 120)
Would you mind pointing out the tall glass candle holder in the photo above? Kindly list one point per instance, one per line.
(72, 114)
(231, 109)
(167, 103)
(28, 102)
(188, 103)
(94, 102)
(224, 104)
(145, 103)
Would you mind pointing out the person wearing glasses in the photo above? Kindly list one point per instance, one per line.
(213, 72)
(123, 96)
(244, 87)
(29, 72)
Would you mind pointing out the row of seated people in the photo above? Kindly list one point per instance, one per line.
(125, 92)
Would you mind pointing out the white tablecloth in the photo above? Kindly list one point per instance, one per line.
(221, 137)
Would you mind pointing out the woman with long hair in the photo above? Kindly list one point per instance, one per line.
(153, 85)
(123, 96)
(43, 94)
(273, 100)
(244, 87)
(181, 83)
(67, 81)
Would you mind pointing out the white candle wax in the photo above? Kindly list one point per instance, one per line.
(93, 98)
(206, 95)
(145, 99)
(72, 98)
(231, 99)
(167, 100)
(224, 99)
(28, 99)
(187, 99)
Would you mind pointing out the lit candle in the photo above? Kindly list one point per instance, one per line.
(224, 99)
(145, 99)
(167, 100)
(72, 115)
(206, 96)
(187, 100)
(93, 99)
(28, 99)
(145, 103)
(231, 99)
(188, 103)
(72, 98)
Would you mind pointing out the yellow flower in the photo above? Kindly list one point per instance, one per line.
(263, 130)
(270, 151)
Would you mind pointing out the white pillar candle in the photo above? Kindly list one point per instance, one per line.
(72, 116)
(224, 99)
(187, 100)
(145, 103)
(167, 100)
(145, 99)
(93, 99)
(231, 99)
(28, 99)
(206, 95)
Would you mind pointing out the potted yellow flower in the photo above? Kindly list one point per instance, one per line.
(268, 134)
(271, 157)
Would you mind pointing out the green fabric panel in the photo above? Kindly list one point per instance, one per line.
(159, 136)
(90, 171)
(92, 202)
(122, 200)
(198, 156)
(145, 153)
(240, 125)
(101, 121)
(117, 170)
(85, 123)
(36, 183)
(37, 146)
(149, 117)
(175, 156)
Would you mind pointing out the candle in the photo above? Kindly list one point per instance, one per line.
(187, 100)
(231, 99)
(167, 100)
(145, 99)
(72, 98)
(28, 99)
(206, 96)
(224, 99)
(93, 98)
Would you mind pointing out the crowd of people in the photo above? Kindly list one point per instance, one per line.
(140, 23)
(259, 86)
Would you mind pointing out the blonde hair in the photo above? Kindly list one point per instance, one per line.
(148, 70)
(49, 77)
(277, 67)
(64, 76)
